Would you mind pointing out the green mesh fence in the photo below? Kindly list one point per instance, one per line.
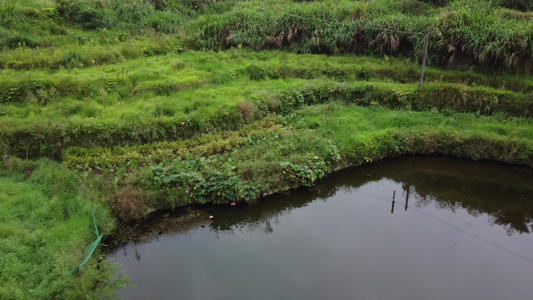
(90, 249)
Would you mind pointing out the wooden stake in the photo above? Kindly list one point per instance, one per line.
(424, 59)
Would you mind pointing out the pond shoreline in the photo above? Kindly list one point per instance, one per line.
(184, 218)
(465, 146)
(440, 204)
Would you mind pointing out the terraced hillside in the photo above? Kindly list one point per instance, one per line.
(127, 107)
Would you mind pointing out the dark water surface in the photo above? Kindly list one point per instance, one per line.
(458, 230)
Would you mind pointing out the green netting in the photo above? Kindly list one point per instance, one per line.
(90, 249)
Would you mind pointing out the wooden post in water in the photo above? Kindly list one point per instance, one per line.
(407, 198)
(406, 201)
(393, 196)
(424, 57)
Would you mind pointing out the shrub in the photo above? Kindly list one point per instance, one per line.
(87, 16)
(211, 180)
(128, 204)
(255, 72)
(247, 109)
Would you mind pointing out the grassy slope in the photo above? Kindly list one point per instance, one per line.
(176, 96)
(124, 96)
(477, 31)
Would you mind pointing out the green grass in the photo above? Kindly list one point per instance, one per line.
(463, 32)
(177, 96)
(45, 226)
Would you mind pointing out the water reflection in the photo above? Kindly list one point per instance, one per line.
(506, 194)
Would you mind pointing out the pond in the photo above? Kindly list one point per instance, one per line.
(416, 227)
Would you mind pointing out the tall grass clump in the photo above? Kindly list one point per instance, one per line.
(303, 29)
(132, 11)
(474, 30)
(11, 13)
(74, 59)
(163, 16)
(164, 22)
